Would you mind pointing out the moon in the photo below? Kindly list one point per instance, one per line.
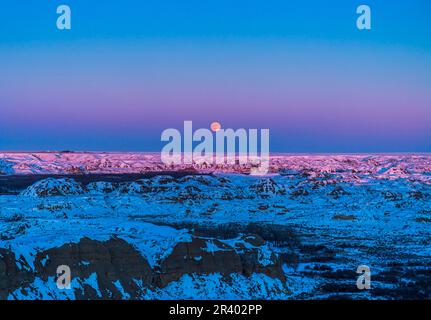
(215, 126)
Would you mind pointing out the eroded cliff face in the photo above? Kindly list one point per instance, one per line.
(110, 261)
(115, 269)
(11, 276)
(206, 256)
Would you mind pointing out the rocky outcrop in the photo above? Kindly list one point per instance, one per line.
(12, 277)
(6, 167)
(201, 256)
(112, 261)
(54, 187)
(337, 192)
(117, 270)
(102, 187)
(205, 256)
(266, 188)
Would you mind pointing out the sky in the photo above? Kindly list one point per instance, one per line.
(127, 70)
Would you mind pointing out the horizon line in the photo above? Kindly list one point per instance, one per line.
(271, 153)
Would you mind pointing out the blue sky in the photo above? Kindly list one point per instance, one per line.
(130, 69)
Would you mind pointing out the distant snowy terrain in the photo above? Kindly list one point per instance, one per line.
(299, 232)
(348, 167)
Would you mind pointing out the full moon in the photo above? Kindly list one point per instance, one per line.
(215, 126)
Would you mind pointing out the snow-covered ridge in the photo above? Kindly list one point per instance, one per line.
(54, 187)
(6, 167)
(347, 167)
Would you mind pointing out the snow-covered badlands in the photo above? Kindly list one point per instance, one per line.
(130, 227)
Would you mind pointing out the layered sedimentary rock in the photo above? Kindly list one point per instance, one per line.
(114, 269)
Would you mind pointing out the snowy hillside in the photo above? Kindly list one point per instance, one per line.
(300, 232)
(348, 167)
